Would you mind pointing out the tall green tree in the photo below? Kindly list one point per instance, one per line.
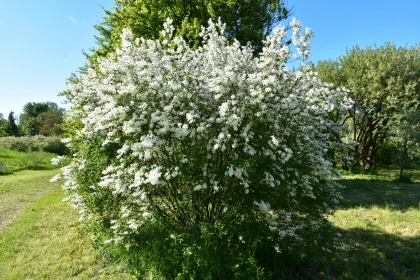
(246, 20)
(3, 126)
(408, 130)
(31, 120)
(50, 123)
(382, 81)
(12, 128)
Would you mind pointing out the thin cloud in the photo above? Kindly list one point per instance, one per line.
(73, 20)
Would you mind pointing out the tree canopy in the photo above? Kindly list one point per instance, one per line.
(382, 82)
(3, 126)
(246, 20)
(12, 128)
(41, 118)
(8, 126)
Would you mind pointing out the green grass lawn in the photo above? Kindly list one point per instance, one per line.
(379, 220)
(40, 237)
(20, 190)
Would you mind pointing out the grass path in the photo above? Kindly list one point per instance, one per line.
(20, 190)
(45, 241)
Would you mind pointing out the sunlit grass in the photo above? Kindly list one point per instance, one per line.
(44, 239)
(20, 190)
(380, 223)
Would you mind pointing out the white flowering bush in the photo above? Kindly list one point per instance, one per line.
(205, 163)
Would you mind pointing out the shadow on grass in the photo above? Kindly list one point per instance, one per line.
(370, 254)
(367, 255)
(381, 193)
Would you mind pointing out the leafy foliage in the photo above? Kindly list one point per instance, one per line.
(8, 127)
(246, 20)
(41, 119)
(12, 128)
(406, 133)
(212, 155)
(3, 126)
(383, 81)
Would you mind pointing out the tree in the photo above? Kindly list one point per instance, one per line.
(329, 71)
(3, 126)
(406, 130)
(12, 128)
(246, 20)
(34, 115)
(381, 81)
(50, 123)
(211, 154)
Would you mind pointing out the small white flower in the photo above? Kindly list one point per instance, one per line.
(153, 176)
(223, 109)
(146, 215)
(55, 178)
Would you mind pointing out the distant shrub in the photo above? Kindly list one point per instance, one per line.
(34, 144)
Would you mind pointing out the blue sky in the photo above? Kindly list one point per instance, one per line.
(41, 41)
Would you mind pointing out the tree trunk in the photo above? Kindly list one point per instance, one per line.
(403, 157)
(343, 162)
(370, 160)
(331, 155)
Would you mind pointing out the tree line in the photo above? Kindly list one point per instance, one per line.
(382, 126)
(38, 118)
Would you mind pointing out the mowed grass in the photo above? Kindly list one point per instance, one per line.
(41, 237)
(20, 190)
(379, 221)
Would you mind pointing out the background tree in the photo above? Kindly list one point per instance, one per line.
(12, 128)
(406, 131)
(35, 118)
(381, 81)
(3, 126)
(246, 20)
(50, 123)
(330, 71)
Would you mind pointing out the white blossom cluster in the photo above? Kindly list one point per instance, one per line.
(190, 136)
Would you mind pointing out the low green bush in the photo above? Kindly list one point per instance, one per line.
(34, 144)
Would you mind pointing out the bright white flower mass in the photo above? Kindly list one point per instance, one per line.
(193, 136)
